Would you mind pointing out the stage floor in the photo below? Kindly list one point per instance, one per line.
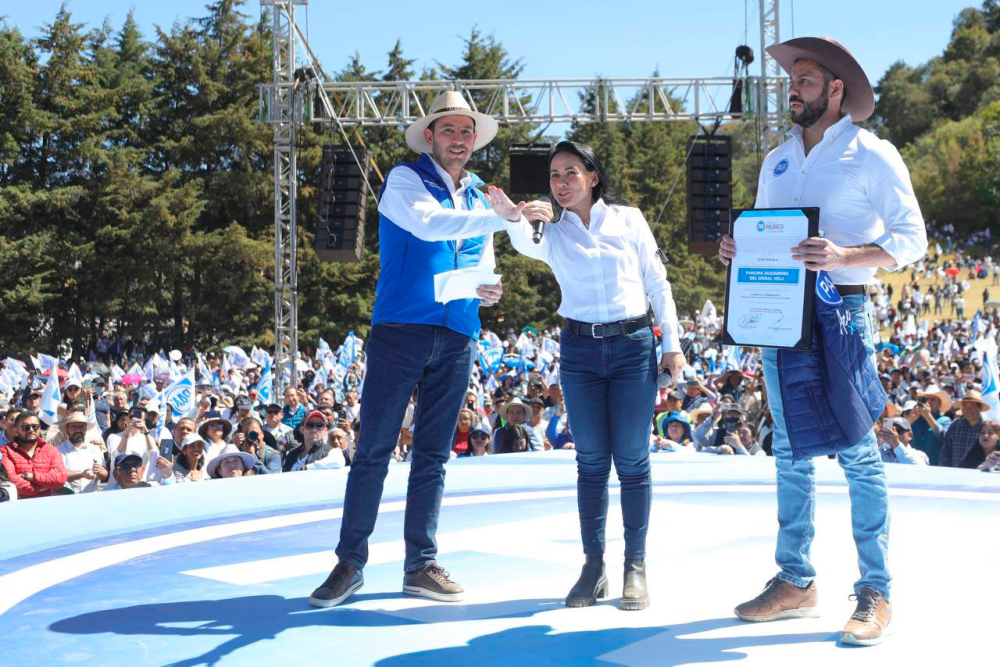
(221, 572)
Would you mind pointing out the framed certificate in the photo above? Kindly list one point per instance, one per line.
(769, 296)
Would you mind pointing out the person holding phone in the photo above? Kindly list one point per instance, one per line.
(608, 267)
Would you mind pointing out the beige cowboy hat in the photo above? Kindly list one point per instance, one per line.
(934, 390)
(515, 403)
(450, 103)
(859, 98)
(974, 396)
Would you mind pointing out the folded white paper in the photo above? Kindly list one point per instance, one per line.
(461, 283)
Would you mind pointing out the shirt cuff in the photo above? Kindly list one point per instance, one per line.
(900, 248)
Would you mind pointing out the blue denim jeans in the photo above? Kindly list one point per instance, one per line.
(401, 358)
(865, 475)
(610, 387)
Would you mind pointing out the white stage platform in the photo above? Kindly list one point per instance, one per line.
(220, 572)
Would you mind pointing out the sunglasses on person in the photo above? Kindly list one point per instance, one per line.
(31, 427)
(274, 412)
(315, 426)
(478, 436)
(128, 466)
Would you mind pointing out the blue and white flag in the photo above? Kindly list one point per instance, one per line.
(731, 358)
(990, 382)
(180, 395)
(491, 359)
(265, 386)
(45, 363)
(260, 357)
(237, 357)
(74, 374)
(349, 350)
(6, 387)
(48, 408)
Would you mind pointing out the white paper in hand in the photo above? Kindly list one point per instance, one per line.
(461, 283)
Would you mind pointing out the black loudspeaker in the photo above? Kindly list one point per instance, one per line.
(709, 191)
(343, 200)
(529, 169)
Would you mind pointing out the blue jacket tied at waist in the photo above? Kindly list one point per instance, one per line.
(405, 290)
(831, 394)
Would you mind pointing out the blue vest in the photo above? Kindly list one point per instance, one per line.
(405, 290)
(831, 395)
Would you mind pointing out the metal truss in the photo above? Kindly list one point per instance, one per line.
(512, 101)
(774, 93)
(284, 115)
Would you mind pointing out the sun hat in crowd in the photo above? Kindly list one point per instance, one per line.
(935, 390)
(214, 417)
(450, 103)
(974, 396)
(513, 403)
(230, 451)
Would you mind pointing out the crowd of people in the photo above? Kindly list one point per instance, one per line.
(113, 431)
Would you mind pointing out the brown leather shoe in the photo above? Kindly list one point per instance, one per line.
(868, 624)
(779, 600)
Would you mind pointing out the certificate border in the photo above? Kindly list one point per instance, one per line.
(805, 340)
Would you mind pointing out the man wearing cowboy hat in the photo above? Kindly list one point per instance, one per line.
(928, 418)
(84, 460)
(514, 414)
(432, 220)
(963, 434)
(870, 218)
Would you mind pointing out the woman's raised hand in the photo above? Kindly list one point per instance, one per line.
(538, 210)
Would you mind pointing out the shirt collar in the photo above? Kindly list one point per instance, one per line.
(463, 182)
(831, 132)
(597, 213)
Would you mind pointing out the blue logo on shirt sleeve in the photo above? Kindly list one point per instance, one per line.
(781, 167)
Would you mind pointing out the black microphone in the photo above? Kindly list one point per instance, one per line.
(664, 379)
(539, 225)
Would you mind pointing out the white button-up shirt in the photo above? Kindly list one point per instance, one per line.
(407, 203)
(607, 273)
(862, 189)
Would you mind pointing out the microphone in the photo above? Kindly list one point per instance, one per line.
(538, 226)
(664, 379)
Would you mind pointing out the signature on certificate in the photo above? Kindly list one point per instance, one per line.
(750, 320)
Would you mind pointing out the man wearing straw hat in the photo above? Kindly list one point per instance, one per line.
(432, 220)
(963, 433)
(869, 218)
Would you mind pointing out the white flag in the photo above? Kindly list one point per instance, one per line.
(180, 395)
(75, 374)
(46, 363)
(990, 382)
(48, 408)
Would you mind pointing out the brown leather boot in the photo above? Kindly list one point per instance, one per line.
(779, 600)
(868, 624)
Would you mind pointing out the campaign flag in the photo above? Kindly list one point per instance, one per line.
(204, 372)
(36, 362)
(492, 358)
(74, 374)
(237, 357)
(260, 357)
(46, 363)
(708, 314)
(731, 358)
(6, 388)
(348, 351)
(180, 395)
(493, 339)
(48, 408)
(990, 382)
(550, 346)
(134, 369)
(265, 386)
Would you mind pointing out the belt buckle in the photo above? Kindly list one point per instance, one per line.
(593, 330)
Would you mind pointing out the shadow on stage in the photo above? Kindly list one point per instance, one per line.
(263, 617)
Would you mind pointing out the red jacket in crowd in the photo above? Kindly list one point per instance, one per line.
(46, 467)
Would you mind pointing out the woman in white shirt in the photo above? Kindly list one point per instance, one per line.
(607, 265)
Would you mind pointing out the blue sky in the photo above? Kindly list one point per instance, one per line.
(581, 39)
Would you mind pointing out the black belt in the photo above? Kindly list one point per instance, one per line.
(609, 329)
(846, 290)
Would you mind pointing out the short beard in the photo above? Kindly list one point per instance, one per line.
(812, 111)
(77, 438)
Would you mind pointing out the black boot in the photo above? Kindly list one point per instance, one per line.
(592, 584)
(635, 595)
